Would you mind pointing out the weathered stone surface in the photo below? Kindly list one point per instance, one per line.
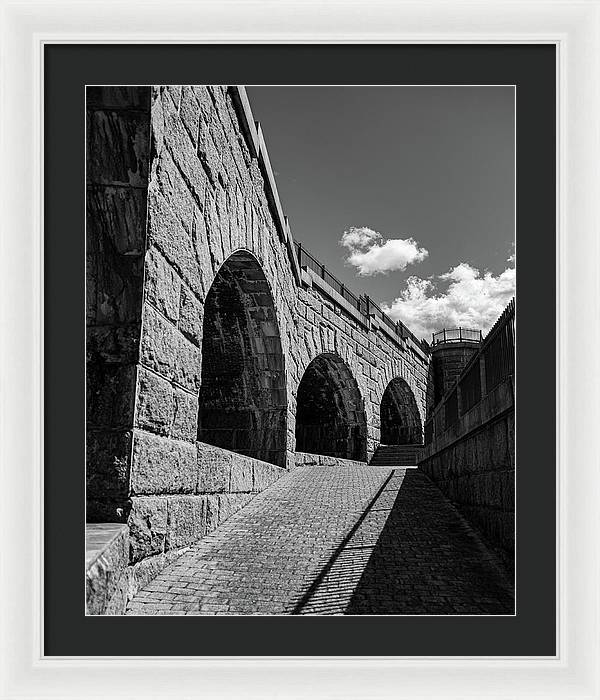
(213, 468)
(186, 520)
(108, 465)
(115, 97)
(212, 512)
(106, 558)
(304, 459)
(114, 344)
(118, 150)
(118, 603)
(185, 418)
(476, 472)
(110, 395)
(190, 317)
(187, 364)
(118, 147)
(241, 474)
(230, 503)
(147, 526)
(160, 344)
(162, 285)
(169, 183)
(264, 474)
(189, 110)
(166, 232)
(163, 465)
(120, 214)
(114, 294)
(155, 403)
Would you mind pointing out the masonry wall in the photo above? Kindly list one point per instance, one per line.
(202, 207)
(118, 154)
(472, 458)
(374, 356)
(206, 200)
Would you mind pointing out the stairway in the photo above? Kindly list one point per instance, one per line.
(397, 456)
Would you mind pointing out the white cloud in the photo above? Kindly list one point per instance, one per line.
(472, 300)
(372, 254)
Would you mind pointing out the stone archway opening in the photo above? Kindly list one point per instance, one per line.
(400, 419)
(330, 415)
(243, 398)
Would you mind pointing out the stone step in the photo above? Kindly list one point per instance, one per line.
(396, 455)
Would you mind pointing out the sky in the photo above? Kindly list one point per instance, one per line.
(404, 193)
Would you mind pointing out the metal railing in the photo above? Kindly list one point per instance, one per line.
(499, 348)
(470, 388)
(363, 303)
(456, 335)
(451, 409)
(305, 259)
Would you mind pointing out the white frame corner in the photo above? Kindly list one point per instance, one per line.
(574, 25)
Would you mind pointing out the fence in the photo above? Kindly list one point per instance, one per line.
(364, 304)
(451, 409)
(470, 388)
(305, 259)
(499, 350)
(456, 335)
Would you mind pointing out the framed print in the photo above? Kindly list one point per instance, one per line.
(283, 424)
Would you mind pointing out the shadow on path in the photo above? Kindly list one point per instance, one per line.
(412, 553)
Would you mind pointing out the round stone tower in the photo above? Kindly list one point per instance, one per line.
(451, 349)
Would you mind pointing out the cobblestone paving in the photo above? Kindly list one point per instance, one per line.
(335, 540)
(412, 553)
(264, 558)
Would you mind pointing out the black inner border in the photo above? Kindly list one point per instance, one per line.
(67, 69)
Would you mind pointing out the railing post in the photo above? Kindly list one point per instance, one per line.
(444, 335)
(482, 379)
(458, 400)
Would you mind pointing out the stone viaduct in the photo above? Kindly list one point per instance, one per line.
(219, 353)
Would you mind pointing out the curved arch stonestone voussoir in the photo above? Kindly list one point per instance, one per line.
(243, 398)
(330, 414)
(400, 419)
(186, 221)
(406, 376)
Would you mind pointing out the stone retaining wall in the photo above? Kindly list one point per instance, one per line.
(304, 459)
(473, 463)
(107, 555)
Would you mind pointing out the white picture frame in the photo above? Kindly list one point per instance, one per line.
(574, 26)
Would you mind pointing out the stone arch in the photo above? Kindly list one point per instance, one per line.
(242, 403)
(400, 418)
(330, 412)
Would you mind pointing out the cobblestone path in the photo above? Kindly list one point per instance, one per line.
(335, 540)
(412, 553)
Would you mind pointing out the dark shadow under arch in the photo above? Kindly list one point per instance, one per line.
(400, 419)
(243, 398)
(330, 416)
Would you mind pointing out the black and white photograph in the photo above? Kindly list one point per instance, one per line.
(300, 350)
